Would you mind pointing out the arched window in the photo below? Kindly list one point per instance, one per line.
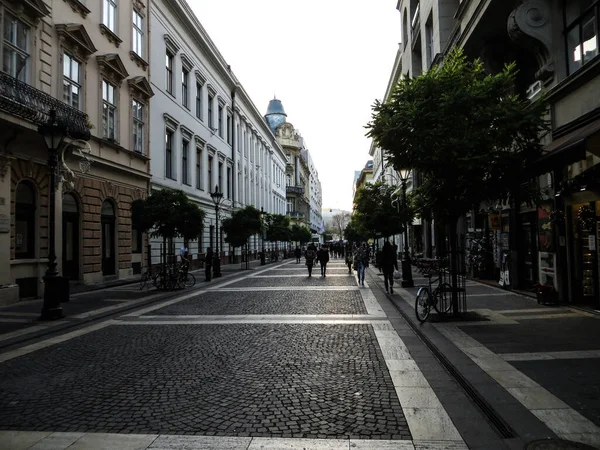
(25, 223)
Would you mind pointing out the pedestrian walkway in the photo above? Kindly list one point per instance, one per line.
(545, 357)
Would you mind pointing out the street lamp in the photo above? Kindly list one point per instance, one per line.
(407, 280)
(54, 288)
(217, 198)
(263, 256)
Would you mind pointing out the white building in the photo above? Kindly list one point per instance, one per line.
(205, 130)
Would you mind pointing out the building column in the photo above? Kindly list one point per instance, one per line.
(9, 294)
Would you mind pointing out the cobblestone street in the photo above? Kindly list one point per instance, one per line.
(268, 358)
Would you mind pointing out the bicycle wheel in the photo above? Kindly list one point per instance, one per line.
(188, 280)
(422, 304)
(443, 298)
(143, 281)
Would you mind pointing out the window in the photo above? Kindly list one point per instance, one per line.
(210, 174)
(15, 48)
(184, 87)
(109, 110)
(198, 168)
(138, 126)
(169, 66)
(220, 119)
(185, 167)
(25, 223)
(220, 177)
(110, 15)
(71, 81)
(169, 154)
(138, 34)
(229, 129)
(199, 101)
(210, 111)
(581, 33)
(229, 182)
(429, 41)
(136, 240)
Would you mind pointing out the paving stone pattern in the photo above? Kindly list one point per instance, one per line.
(310, 381)
(539, 335)
(279, 281)
(266, 302)
(574, 381)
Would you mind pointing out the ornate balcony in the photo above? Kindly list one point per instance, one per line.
(24, 101)
(296, 214)
(294, 190)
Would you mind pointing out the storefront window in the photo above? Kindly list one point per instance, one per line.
(25, 221)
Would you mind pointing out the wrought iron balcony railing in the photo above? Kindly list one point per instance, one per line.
(296, 214)
(29, 103)
(294, 190)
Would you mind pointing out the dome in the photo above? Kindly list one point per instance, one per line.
(276, 115)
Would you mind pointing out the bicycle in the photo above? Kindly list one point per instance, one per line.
(148, 277)
(428, 298)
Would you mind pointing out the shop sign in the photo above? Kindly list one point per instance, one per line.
(494, 221)
(545, 229)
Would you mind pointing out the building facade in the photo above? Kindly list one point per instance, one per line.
(206, 131)
(303, 188)
(555, 45)
(87, 63)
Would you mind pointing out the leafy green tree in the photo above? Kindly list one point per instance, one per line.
(378, 211)
(300, 234)
(242, 224)
(354, 231)
(467, 134)
(277, 227)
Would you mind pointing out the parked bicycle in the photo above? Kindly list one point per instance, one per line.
(428, 297)
(168, 277)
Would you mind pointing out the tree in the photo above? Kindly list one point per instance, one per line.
(278, 227)
(168, 213)
(354, 231)
(377, 211)
(466, 133)
(242, 224)
(300, 234)
(340, 221)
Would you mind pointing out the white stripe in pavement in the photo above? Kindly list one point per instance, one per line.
(18, 314)
(37, 440)
(492, 295)
(300, 275)
(426, 417)
(371, 304)
(553, 412)
(14, 320)
(32, 329)
(249, 320)
(538, 356)
(261, 317)
(96, 312)
(54, 340)
(286, 288)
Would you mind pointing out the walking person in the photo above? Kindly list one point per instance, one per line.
(297, 254)
(388, 264)
(310, 256)
(349, 258)
(208, 262)
(323, 257)
(361, 259)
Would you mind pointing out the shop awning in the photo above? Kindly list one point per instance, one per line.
(566, 150)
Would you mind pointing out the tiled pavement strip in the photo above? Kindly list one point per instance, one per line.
(428, 421)
(559, 417)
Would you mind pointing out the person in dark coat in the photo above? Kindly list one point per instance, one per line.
(323, 257)
(208, 262)
(297, 254)
(388, 264)
(310, 256)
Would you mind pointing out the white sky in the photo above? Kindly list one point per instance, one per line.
(326, 60)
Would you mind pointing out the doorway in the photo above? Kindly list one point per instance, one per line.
(108, 238)
(528, 251)
(70, 237)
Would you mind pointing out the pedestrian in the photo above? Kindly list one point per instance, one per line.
(323, 257)
(361, 260)
(349, 258)
(297, 254)
(310, 256)
(208, 262)
(184, 253)
(388, 264)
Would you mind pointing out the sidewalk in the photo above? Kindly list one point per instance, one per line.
(535, 365)
(89, 302)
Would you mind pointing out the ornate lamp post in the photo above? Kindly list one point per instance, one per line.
(407, 280)
(217, 198)
(54, 289)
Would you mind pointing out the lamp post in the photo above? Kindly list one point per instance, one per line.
(217, 198)
(262, 253)
(54, 289)
(407, 280)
